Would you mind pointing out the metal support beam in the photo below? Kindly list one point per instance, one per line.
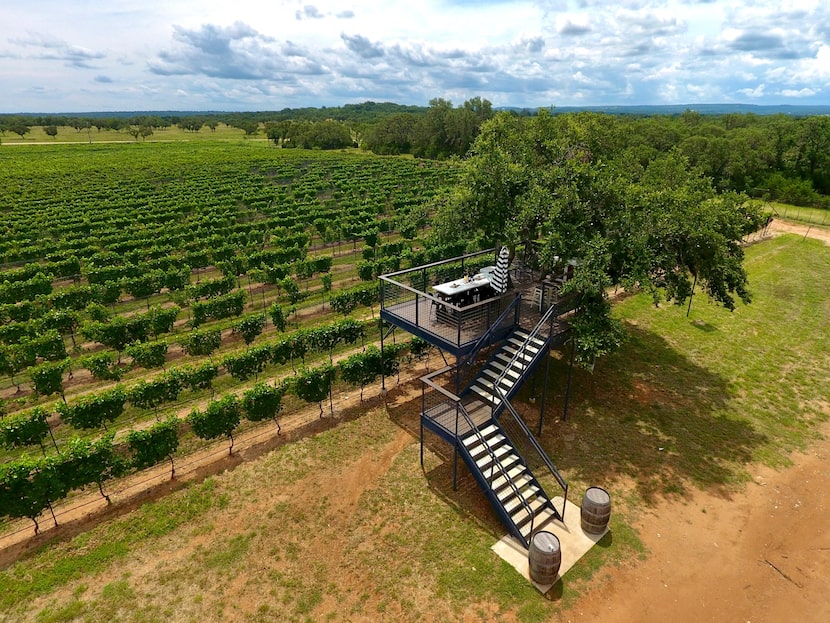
(570, 376)
(455, 467)
(544, 394)
(422, 445)
(382, 367)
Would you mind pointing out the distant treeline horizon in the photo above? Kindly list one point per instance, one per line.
(773, 152)
(371, 109)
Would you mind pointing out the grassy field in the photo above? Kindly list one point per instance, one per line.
(810, 216)
(345, 526)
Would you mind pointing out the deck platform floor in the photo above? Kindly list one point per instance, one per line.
(442, 418)
(423, 313)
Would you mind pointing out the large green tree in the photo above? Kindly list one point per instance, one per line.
(563, 187)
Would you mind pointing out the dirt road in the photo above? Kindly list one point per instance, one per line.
(761, 556)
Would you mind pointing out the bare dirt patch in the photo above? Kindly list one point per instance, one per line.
(778, 227)
(762, 555)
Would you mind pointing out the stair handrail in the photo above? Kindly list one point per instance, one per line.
(493, 464)
(470, 357)
(540, 451)
(546, 317)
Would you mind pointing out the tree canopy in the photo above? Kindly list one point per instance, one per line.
(561, 189)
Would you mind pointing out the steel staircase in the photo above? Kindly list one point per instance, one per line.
(507, 369)
(491, 437)
(499, 459)
(507, 481)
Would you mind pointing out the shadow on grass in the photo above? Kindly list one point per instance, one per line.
(467, 498)
(646, 413)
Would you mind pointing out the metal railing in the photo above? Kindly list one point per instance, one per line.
(497, 470)
(421, 277)
(529, 449)
(458, 325)
(441, 404)
(437, 403)
(486, 340)
(520, 357)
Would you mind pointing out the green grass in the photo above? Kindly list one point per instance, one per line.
(688, 403)
(56, 564)
(812, 216)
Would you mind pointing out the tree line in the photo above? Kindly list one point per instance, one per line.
(779, 157)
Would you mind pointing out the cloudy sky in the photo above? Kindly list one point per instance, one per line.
(103, 55)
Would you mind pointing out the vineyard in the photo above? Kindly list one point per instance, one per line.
(154, 297)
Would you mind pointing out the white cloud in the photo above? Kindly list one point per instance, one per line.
(269, 54)
(754, 93)
(805, 92)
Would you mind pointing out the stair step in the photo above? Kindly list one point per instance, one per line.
(489, 429)
(476, 448)
(518, 475)
(515, 503)
(514, 472)
(503, 463)
(506, 384)
(485, 394)
(508, 493)
(542, 518)
(500, 452)
(509, 379)
(499, 367)
(485, 431)
(512, 352)
(520, 515)
(517, 366)
(522, 335)
(531, 346)
(522, 518)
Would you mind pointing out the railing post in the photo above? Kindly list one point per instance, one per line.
(455, 465)
(545, 390)
(417, 306)
(421, 419)
(570, 375)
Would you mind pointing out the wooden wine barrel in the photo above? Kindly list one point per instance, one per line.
(544, 557)
(596, 510)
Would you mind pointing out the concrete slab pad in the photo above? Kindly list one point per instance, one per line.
(573, 543)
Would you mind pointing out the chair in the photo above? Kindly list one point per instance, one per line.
(537, 298)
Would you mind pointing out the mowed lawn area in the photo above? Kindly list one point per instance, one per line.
(344, 525)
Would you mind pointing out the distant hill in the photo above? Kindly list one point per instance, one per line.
(370, 111)
(677, 109)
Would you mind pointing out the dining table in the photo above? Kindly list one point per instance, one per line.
(455, 288)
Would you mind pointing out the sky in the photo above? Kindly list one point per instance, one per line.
(190, 55)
